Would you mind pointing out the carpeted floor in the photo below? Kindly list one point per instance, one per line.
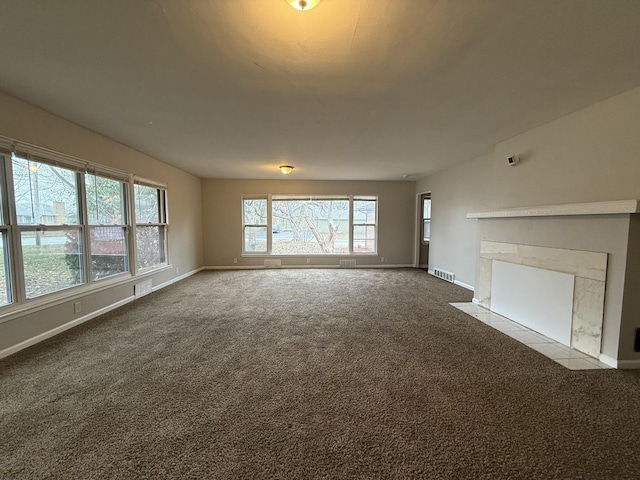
(332, 374)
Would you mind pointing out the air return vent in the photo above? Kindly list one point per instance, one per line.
(143, 288)
(444, 275)
(273, 263)
(347, 264)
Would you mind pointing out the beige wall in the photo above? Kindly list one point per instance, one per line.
(590, 155)
(222, 219)
(29, 124)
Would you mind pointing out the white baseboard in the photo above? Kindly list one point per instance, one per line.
(177, 279)
(612, 362)
(475, 301)
(464, 285)
(55, 331)
(628, 364)
(284, 267)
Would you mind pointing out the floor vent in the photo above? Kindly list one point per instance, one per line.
(444, 275)
(272, 263)
(347, 264)
(143, 288)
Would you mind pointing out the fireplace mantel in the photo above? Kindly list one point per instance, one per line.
(592, 208)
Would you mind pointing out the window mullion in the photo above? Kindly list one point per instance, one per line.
(15, 244)
(84, 221)
(351, 225)
(269, 225)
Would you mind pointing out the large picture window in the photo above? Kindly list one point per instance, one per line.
(309, 225)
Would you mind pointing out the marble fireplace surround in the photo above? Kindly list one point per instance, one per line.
(588, 268)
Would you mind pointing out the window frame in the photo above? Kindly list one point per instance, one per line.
(125, 192)
(424, 219)
(269, 198)
(163, 224)
(17, 301)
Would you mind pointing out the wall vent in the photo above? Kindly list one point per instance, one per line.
(444, 275)
(272, 263)
(143, 288)
(347, 264)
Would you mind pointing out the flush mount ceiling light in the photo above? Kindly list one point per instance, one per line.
(303, 5)
(286, 169)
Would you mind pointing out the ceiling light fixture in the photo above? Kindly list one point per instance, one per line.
(286, 169)
(303, 5)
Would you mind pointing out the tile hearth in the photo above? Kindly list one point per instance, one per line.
(565, 356)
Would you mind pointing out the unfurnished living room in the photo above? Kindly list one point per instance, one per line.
(332, 239)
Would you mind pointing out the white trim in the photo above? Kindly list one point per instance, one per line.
(55, 331)
(612, 362)
(262, 267)
(628, 364)
(176, 279)
(591, 208)
(475, 301)
(464, 285)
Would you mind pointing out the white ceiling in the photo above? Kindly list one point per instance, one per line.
(354, 89)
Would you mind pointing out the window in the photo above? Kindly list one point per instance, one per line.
(46, 199)
(107, 219)
(65, 223)
(151, 224)
(364, 225)
(254, 225)
(309, 225)
(426, 218)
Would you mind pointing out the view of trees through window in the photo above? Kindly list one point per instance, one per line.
(309, 225)
(150, 226)
(106, 213)
(61, 215)
(46, 202)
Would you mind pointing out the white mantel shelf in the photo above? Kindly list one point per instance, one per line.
(592, 208)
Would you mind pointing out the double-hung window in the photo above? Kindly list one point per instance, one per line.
(65, 222)
(309, 224)
(107, 217)
(254, 224)
(49, 230)
(151, 223)
(426, 218)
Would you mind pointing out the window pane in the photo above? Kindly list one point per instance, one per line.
(52, 261)
(255, 239)
(108, 251)
(312, 226)
(254, 211)
(151, 246)
(147, 204)
(364, 239)
(426, 209)
(105, 203)
(364, 211)
(45, 195)
(427, 230)
(5, 289)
